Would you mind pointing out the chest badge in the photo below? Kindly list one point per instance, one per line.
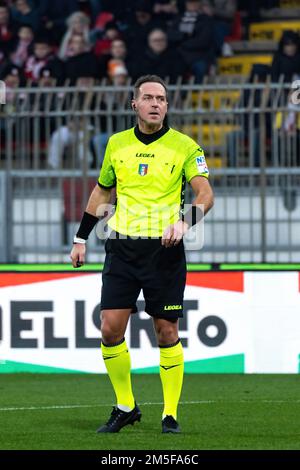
(143, 169)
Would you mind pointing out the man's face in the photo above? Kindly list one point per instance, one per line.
(158, 41)
(41, 50)
(12, 81)
(290, 49)
(193, 5)
(26, 34)
(21, 5)
(78, 26)
(151, 103)
(77, 45)
(118, 49)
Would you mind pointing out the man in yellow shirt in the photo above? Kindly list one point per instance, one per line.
(148, 165)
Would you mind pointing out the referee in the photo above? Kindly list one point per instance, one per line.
(148, 165)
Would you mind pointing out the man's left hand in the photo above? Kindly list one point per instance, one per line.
(174, 233)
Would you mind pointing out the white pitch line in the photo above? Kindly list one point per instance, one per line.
(63, 407)
(200, 402)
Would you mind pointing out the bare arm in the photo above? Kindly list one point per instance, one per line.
(203, 192)
(98, 199)
(99, 196)
(204, 196)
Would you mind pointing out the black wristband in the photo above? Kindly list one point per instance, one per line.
(192, 216)
(87, 224)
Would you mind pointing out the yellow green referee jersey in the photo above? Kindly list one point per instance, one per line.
(149, 172)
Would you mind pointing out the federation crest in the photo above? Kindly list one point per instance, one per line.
(143, 169)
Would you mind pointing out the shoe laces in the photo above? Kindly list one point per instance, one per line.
(115, 415)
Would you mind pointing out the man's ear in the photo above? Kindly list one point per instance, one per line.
(133, 105)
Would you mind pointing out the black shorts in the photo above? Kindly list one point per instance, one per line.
(132, 265)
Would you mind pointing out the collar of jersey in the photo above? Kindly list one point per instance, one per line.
(149, 138)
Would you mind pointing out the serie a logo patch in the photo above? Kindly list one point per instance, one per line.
(143, 169)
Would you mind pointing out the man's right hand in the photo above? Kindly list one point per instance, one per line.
(77, 255)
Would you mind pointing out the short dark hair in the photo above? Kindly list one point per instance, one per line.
(147, 79)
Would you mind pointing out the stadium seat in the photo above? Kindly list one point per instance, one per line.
(271, 30)
(263, 47)
(215, 162)
(289, 4)
(242, 64)
(210, 135)
(219, 99)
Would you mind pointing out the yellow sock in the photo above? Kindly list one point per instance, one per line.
(171, 375)
(117, 362)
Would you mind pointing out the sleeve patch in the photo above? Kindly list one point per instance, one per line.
(201, 164)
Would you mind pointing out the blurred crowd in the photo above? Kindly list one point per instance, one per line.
(121, 40)
(44, 43)
(116, 40)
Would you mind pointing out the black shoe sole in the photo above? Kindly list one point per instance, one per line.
(171, 431)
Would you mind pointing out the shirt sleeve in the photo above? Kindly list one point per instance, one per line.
(195, 164)
(107, 177)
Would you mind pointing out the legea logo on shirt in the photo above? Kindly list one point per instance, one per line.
(145, 155)
(201, 164)
(143, 169)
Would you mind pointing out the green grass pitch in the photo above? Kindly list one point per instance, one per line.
(63, 411)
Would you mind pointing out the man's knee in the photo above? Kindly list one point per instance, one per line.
(167, 333)
(110, 330)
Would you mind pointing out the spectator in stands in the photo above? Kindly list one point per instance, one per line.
(76, 133)
(248, 134)
(118, 73)
(99, 26)
(166, 10)
(286, 60)
(42, 124)
(7, 32)
(193, 32)
(78, 24)
(139, 27)
(55, 13)
(81, 60)
(112, 65)
(159, 59)
(113, 120)
(223, 13)
(22, 45)
(118, 53)
(24, 13)
(118, 50)
(54, 71)
(42, 54)
(13, 78)
(104, 41)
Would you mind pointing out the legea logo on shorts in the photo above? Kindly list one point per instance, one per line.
(173, 307)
